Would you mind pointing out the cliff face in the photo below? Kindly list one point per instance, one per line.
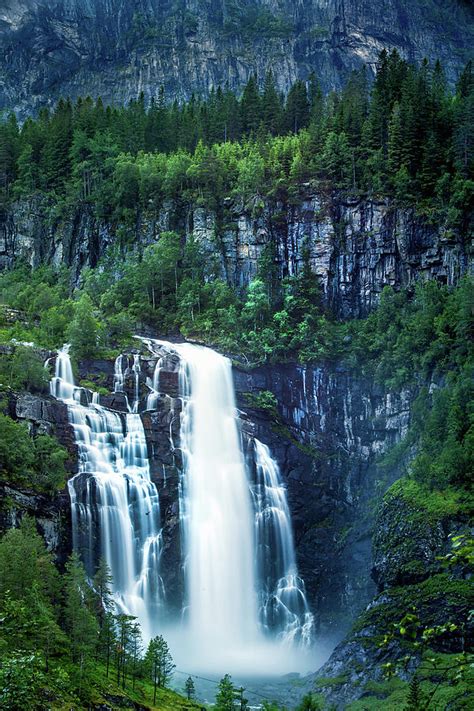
(121, 47)
(326, 433)
(355, 248)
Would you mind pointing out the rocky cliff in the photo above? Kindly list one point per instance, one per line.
(355, 247)
(119, 48)
(327, 432)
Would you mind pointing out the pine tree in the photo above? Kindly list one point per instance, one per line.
(159, 664)
(225, 697)
(80, 622)
(125, 625)
(271, 106)
(297, 108)
(250, 106)
(395, 141)
(189, 689)
(102, 585)
(415, 698)
(55, 157)
(136, 648)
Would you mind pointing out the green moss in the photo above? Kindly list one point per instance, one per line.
(331, 681)
(438, 599)
(427, 504)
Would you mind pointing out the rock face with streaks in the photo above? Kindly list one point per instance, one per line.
(327, 432)
(355, 248)
(118, 48)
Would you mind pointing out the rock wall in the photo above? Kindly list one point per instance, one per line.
(329, 432)
(121, 47)
(355, 248)
(43, 415)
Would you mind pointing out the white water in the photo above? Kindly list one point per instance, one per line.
(246, 609)
(283, 605)
(115, 506)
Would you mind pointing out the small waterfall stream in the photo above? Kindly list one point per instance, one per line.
(115, 506)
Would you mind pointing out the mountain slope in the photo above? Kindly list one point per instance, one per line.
(118, 48)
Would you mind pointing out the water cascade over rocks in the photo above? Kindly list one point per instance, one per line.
(242, 586)
(245, 609)
(115, 506)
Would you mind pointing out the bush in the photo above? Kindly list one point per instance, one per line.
(34, 463)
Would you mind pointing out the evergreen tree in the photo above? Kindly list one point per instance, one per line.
(55, 157)
(297, 108)
(102, 585)
(271, 106)
(189, 689)
(395, 148)
(250, 106)
(415, 698)
(127, 638)
(159, 664)
(225, 697)
(79, 621)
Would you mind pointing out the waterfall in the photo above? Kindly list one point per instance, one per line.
(242, 583)
(245, 608)
(115, 506)
(217, 512)
(283, 605)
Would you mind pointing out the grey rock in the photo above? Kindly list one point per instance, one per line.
(119, 48)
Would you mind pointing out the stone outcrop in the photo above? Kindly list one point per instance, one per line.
(328, 432)
(43, 415)
(117, 49)
(355, 248)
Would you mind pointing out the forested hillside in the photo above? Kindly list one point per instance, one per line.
(404, 144)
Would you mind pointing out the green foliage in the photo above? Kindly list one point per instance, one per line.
(159, 663)
(21, 682)
(23, 369)
(408, 137)
(189, 688)
(310, 703)
(225, 697)
(263, 400)
(84, 331)
(59, 637)
(35, 463)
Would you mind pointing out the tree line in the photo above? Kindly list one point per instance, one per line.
(407, 136)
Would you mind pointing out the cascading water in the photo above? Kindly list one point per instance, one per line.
(245, 603)
(283, 605)
(242, 584)
(115, 506)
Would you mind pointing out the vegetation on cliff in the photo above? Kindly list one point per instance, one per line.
(408, 139)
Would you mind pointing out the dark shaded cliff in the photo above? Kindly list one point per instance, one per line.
(356, 248)
(118, 48)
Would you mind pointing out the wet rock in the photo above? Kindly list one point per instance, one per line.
(356, 248)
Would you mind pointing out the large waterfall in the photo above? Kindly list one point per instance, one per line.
(242, 583)
(244, 601)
